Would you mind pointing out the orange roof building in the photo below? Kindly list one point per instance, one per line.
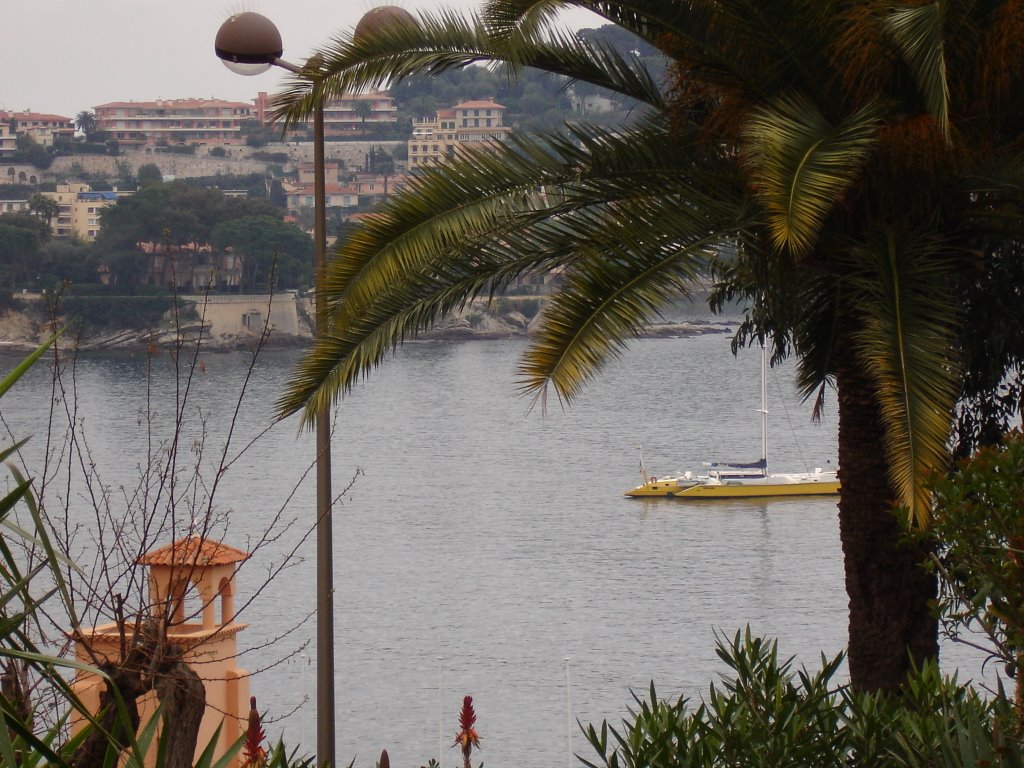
(191, 597)
(176, 121)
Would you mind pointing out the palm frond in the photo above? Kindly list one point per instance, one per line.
(433, 43)
(909, 331)
(470, 226)
(615, 286)
(917, 32)
(801, 164)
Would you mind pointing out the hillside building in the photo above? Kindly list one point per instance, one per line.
(175, 121)
(345, 117)
(467, 124)
(80, 207)
(42, 128)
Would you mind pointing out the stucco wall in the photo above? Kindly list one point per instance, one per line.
(238, 160)
(244, 314)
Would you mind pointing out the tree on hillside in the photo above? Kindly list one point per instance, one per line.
(274, 254)
(149, 174)
(861, 161)
(18, 249)
(46, 208)
(65, 261)
(31, 151)
(362, 109)
(85, 121)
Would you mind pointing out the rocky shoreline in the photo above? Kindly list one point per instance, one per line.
(20, 333)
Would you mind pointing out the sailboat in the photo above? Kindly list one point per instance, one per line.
(732, 480)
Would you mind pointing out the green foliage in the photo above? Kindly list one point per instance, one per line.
(98, 313)
(979, 534)
(765, 713)
(19, 602)
(18, 248)
(218, 152)
(85, 121)
(64, 261)
(30, 151)
(176, 149)
(271, 157)
(184, 214)
(274, 254)
(149, 174)
(16, 191)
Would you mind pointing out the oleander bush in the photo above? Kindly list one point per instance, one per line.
(765, 712)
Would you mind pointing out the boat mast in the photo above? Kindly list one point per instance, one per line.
(764, 407)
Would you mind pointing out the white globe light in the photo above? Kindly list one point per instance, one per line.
(245, 69)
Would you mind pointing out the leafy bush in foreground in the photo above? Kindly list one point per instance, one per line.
(765, 713)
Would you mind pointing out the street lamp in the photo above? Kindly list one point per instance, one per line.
(249, 44)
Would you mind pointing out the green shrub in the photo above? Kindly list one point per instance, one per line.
(100, 313)
(765, 713)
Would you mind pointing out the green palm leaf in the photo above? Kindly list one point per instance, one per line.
(437, 42)
(909, 331)
(917, 32)
(468, 228)
(801, 164)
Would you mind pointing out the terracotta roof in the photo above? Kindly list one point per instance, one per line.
(329, 189)
(478, 105)
(194, 550)
(37, 116)
(172, 103)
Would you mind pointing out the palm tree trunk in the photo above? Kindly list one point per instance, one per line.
(891, 623)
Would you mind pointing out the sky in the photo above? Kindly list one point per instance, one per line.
(65, 56)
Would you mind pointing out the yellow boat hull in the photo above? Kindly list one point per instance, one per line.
(753, 490)
(659, 488)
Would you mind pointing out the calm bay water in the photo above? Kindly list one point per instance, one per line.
(486, 549)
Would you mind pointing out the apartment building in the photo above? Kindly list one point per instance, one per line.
(175, 121)
(43, 128)
(80, 207)
(14, 206)
(336, 196)
(345, 116)
(8, 140)
(469, 123)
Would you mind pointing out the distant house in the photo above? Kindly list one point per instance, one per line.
(467, 124)
(191, 266)
(176, 121)
(344, 115)
(42, 128)
(337, 196)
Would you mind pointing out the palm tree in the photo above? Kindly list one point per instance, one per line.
(85, 121)
(860, 159)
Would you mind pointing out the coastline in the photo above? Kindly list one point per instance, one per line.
(231, 323)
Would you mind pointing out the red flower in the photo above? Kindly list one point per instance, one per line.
(255, 755)
(467, 738)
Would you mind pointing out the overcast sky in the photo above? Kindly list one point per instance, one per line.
(64, 56)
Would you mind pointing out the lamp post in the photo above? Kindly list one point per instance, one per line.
(249, 44)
